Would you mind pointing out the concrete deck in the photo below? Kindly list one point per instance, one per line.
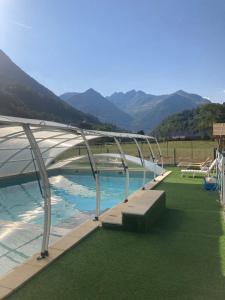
(19, 241)
(31, 267)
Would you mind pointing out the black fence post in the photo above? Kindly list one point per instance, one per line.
(192, 151)
(167, 148)
(174, 157)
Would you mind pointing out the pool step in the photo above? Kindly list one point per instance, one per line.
(138, 214)
(112, 218)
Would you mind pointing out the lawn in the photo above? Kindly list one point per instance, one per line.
(182, 258)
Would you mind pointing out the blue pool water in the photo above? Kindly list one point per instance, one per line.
(72, 194)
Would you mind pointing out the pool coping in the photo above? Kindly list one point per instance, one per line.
(24, 272)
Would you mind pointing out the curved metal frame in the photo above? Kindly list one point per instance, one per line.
(151, 150)
(125, 166)
(45, 189)
(142, 161)
(96, 174)
(153, 157)
(160, 153)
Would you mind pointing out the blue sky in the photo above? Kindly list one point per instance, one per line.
(158, 46)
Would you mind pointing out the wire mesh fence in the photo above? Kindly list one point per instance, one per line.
(189, 151)
(173, 151)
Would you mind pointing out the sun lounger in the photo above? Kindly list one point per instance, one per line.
(192, 165)
(203, 171)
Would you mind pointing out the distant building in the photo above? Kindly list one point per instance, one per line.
(219, 134)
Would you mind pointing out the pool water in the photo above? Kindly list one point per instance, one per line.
(72, 194)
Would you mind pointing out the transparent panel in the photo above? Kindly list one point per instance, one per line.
(15, 151)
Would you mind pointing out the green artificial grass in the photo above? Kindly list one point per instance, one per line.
(183, 257)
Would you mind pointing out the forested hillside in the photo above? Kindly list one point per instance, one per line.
(192, 123)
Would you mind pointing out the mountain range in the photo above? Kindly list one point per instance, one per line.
(22, 96)
(94, 103)
(133, 110)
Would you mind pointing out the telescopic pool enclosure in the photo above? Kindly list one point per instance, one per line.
(30, 146)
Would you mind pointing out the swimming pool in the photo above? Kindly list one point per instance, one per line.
(72, 194)
(73, 202)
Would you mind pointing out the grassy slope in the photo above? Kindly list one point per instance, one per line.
(183, 257)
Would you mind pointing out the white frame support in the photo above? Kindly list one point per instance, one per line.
(222, 188)
(151, 150)
(96, 174)
(142, 162)
(220, 174)
(153, 157)
(223, 183)
(45, 189)
(160, 153)
(125, 166)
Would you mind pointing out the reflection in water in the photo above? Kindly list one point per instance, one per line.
(72, 195)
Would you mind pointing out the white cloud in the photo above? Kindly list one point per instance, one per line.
(22, 25)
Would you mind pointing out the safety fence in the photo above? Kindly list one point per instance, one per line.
(220, 176)
(173, 152)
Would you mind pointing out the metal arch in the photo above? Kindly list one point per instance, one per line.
(95, 172)
(142, 161)
(160, 153)
(151, 150)
(125, 166)
(45, 189)
(152, 155)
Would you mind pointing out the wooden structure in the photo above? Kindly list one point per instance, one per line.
(219, 135)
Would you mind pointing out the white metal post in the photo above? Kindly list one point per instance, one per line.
(96, 174)
(223, 181)
(45, 188)
(160, 153)
(221, 176)
(142, 162)
(125, 165)
(151, 150)
(98, 194)
(153, 157)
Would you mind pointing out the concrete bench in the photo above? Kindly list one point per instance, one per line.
(138, 214)
(141, 213)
